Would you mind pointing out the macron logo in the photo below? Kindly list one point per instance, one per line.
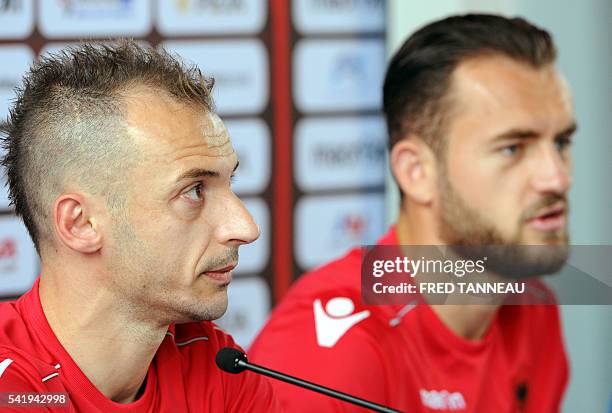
(336, 319)
(4, 365)
(442, 400)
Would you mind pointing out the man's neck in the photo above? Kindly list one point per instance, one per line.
(469, 320)
(111, 347)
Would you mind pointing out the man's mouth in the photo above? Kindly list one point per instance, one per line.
(550, 219)
(220, 275)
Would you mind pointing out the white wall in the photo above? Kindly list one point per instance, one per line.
(583, 34)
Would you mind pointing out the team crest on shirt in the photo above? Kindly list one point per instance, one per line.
(442, 400)
(333, 321)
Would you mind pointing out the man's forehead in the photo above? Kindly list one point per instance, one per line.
(498, 88)
(162, 124)
(499, 80)
(214, 131)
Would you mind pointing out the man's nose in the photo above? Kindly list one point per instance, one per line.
(236, 225)
(553, 171)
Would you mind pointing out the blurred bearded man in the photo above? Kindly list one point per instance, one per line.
(121, 172)
(480, 124)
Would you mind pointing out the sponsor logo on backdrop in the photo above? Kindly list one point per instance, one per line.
(251, 140)
(18, 259)
(343, 222)
(222, 6)
(249, 305)
(330, 74)
(367, 152)
(15, 62)
(334, 16)
(254, 257)
(340, 153)
(240, 69)
(347, 71)
(11, 6)
(8, 255)
(349, 228)
(94, 17)
(211, 16)
(16, 19)
(95, 8)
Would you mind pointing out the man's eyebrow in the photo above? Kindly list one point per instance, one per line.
(568, 131)
(520, 134)
(197, 173)
(201, 173)
(527, 134)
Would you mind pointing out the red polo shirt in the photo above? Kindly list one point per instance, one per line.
(404, 356)
(183, 376)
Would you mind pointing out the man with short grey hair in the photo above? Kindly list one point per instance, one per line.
(121, 171)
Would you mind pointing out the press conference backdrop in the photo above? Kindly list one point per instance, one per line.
(298, 84)
(583, 36)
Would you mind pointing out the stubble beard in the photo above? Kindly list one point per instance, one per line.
(138, 275)
(471, 236)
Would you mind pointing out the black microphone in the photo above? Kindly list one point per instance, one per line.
(235, 361)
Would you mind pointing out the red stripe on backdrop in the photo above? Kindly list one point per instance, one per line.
(281, 107)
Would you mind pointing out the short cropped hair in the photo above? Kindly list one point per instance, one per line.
(67, 124)
(416, 88)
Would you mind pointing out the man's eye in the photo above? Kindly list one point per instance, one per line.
(562, 143)
(510, 150)
(196, 193)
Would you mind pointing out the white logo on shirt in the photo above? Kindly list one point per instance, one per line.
(4, 365)
(335, 320)
(442, 400)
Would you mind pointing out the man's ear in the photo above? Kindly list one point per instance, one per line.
(413, 164)
(74, 225)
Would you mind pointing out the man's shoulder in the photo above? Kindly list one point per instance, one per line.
(9, 314)
(538, 292)
(14, 332)
(331, 290)
(324, 311)
(536, 307)
(339, 276)
(23, 371)
(23, 364)
(342, 274)
(16, 372)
